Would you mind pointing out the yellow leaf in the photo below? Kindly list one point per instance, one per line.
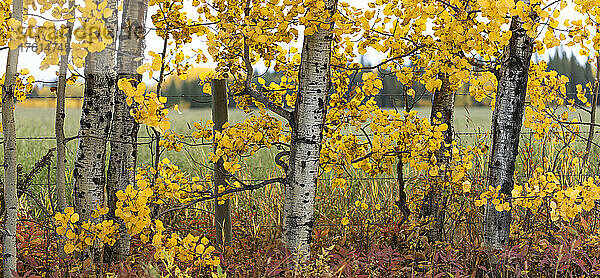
(143, 68)
(69, 248)
(164, 125)
(466, 186)
(60, 230)
(74, 218)
(70, 234)
(345, 221)
(261, 39)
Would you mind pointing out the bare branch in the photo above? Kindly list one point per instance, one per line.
(409, 53)
(260, 97)
(229, 191)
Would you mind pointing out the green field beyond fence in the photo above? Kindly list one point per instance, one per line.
(35, 128)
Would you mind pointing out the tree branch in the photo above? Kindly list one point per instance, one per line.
(407, 54)
(248, 90)
(260, 97)
(229, 191)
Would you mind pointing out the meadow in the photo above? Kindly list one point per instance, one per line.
(359, 215)
(36, 125)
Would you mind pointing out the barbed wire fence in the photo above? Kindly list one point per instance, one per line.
(148, 139)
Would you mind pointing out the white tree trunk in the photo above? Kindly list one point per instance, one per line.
(307, 133)
(124, 128)
(506, 127)
(96, 115)
(59, 122)
(9, 241)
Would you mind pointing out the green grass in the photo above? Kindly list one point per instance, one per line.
(39, 122)
(37, 126)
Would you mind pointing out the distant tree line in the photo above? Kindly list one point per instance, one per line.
(566, 64)
(188, 93)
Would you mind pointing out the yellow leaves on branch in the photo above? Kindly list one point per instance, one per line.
(545, 89)
(79, 235)
(391, 135)
(171, 188)
(23, 86)
(50, 38)
(236, 140)
(146, 107)
(133, 207)
(565, 200)
(5, 14)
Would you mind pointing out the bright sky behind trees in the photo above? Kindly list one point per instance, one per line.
(31, 60)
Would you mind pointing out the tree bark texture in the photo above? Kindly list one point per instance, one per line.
(9, 240)
(124, 128)
(433, 204)
(307, 133)
(506, 127)
(59, 122)
(96, 115)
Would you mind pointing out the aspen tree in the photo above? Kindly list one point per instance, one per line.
(96, 115)
(307, 134)
(9, 240)
(59, 122)
(124, 128)
(442, 111)
(506, 128)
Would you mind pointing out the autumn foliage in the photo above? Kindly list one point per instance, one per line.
(378, 167)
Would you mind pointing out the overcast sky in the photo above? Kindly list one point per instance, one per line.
(32, 61)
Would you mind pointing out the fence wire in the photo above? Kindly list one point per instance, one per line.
(364, 222)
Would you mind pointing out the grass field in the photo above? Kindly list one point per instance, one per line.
(38, 125)
(39, 122)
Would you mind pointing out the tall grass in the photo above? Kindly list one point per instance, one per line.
(263, 205)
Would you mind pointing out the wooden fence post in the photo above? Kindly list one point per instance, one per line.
(219, 116)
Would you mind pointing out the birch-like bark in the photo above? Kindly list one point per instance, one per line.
(123, 153)
(96, 116)
(307, 133)
(506, 127)
(59, 123)
(9, 240)
(443, 103)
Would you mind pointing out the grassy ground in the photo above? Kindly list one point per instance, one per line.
(367, 205)
(38, 125)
